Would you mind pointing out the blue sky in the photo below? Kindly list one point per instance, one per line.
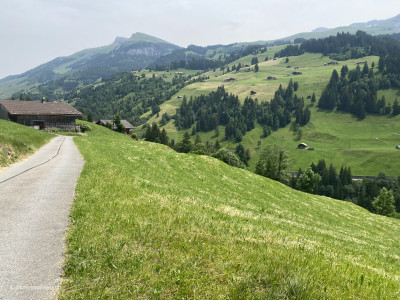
(35, 31)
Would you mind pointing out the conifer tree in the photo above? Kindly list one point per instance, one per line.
(239, 150)
(197, 139)
(217, 145)
(185, 146)
(256, 68)
(313, 98)
(164, 137)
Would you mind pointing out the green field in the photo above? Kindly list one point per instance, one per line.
(148, 222)
(367, 146)
(17, 141)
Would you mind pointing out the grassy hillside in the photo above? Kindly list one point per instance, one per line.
(17, 141)
(151, 223)
(367, 146)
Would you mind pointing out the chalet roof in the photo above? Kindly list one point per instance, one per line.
(126, 124)
(15, 107)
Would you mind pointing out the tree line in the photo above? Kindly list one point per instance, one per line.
(345, 46)
(322, 179)
(356, 92)
(290, 50)
(179, 59)
(379, 195)
(239, 158)
(207, 112)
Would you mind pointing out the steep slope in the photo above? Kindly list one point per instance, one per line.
(151, 223)
(91, 64)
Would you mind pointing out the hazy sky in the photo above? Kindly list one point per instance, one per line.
(33, 32)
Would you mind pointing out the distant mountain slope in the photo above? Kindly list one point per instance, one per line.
(141, 51)
(86, 66)
(374, 27)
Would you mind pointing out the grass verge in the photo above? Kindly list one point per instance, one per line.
(17, 141)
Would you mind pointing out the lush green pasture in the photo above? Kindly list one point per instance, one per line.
(151, 223)
(367, 146)
(17, 141)
(314, 78)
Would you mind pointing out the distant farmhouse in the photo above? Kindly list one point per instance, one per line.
(128, 126)
(40, 115)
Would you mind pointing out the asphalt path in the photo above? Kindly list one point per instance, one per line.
(35, 198)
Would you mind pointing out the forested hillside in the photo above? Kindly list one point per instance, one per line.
(128, 95)
(344, 46)
(220, 108)
(205, 58)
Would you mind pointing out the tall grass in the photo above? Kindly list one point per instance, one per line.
(17, 141)
(151, 223)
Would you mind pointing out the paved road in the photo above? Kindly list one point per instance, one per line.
(34, 209)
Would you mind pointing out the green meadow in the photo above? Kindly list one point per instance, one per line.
(17, 141)
(150, 223)
(367, 146)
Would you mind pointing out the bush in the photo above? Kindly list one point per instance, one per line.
(85, 127)
(229, 158)
(198, 152)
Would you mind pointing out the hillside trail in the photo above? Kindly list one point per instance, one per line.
(35, 199)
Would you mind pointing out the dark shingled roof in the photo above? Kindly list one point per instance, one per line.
(126, 124)
(15, 107)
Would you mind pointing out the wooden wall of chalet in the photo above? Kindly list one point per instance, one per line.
(63, 122)
(3, 113)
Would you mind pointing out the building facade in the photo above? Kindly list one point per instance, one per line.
(40, 115)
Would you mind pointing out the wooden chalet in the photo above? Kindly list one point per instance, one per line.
(128, 126)
(40, 115)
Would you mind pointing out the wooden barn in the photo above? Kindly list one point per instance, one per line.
(40, 115)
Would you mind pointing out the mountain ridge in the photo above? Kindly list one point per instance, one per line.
(373, 27)
(124, 54)
(142, 50)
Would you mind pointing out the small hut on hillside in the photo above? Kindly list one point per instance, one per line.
(302, 146)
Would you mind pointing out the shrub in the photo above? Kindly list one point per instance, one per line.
(229, 158)
(85, 127)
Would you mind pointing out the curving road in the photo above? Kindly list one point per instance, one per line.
(35, 198)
